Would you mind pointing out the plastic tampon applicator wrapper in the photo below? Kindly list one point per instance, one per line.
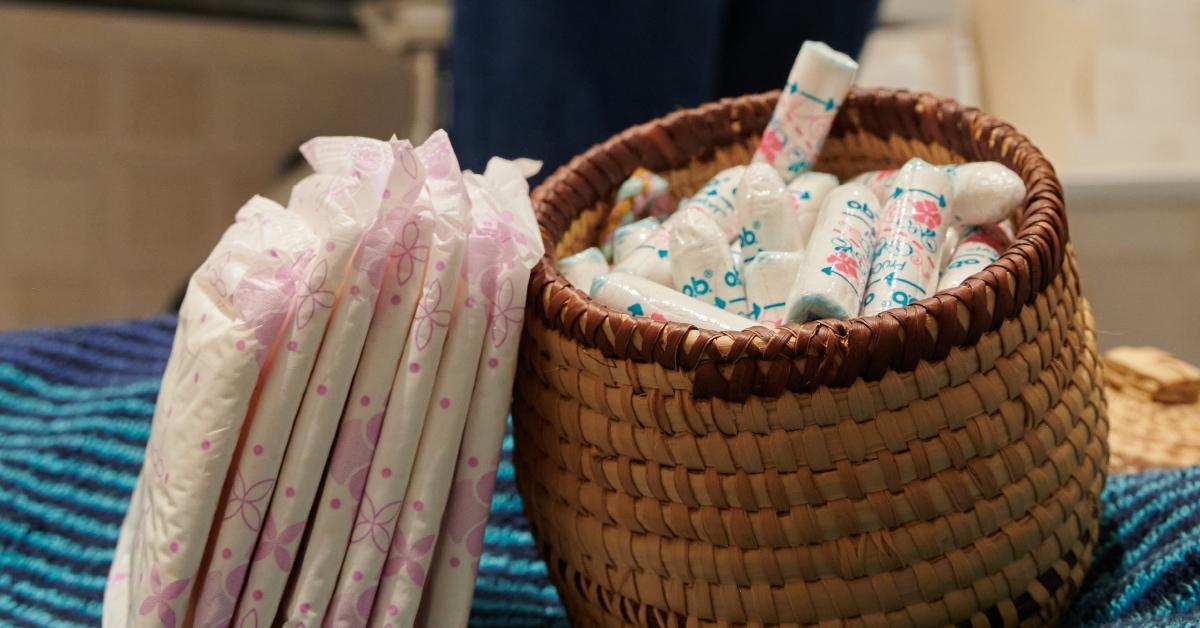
(581, 268)
(985, 192)
(641, 297)
(702, 266)
(650, 260)
(769, 277)
(628, 238)
(977, 247)
(815, 88)
(766, 215)
(832, 279)
(808, 194)
(912, 231)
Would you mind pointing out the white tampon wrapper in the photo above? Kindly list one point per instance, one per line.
(837, 260)
(808, 192)
(716, 199)
(985, 192)
(977, 247)
(650, 259)
(702, 265)
(912, 231)
(766, 217)
(880, 182)
(627, 238)
(769, 278)
(951, 243)
(815, 89)
(581, 268)
(641, 297)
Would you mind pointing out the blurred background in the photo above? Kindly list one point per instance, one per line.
(131, 131)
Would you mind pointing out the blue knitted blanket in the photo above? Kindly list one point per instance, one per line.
(75, 407)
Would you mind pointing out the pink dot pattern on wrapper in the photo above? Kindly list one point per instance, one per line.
(196, 376)
(335, 503)
(470, 302)
(396, 299)
(440, 265)
(258, 449)
(204, 444)
(174, 547)
(493, 362)
(365, 400)
(419, 506)
(387, 193)
(444, 403)
(290, 492)
(321, 389)
(226, 553)
(357, 576)
(392, 610)
(454, 562)
(329, 246)
(386, 472)
(241, 345)
(472, 461)
(414, 367)
(292, 345)
(305, 607)
(257, 594)
(354, 290)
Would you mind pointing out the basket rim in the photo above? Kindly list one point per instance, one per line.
(817, 353)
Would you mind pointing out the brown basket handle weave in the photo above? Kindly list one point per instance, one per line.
(822, 353)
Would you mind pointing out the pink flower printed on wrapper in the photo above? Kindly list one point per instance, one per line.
(352, 608)
(214, 272)
(468, 508)
(376, 524)
(430, 315)
(408, 250)
(160, 599)
(844, 263)
(351, 460)
(312, 294)
(408, 557)
(770, 145)
(503, 315)
(926, 212)
(275, 543)
(264, 297)
(244, 500)
(216, 605)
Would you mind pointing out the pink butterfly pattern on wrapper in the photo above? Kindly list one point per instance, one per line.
(430, 315)
(312, 294)
(408, 557)
(244, 500)
(216, 608)
(161, 597)
(469, 506)
(503, 314)
(351, 459)
(275, 543)
(376, 524)
(408, 251)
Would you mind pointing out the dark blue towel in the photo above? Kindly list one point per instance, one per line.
(75, 407)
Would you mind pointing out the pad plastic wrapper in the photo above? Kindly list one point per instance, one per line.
(405, 417)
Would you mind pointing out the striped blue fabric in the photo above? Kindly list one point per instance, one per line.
(75, 407)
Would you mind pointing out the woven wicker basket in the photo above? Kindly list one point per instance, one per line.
(937, 464)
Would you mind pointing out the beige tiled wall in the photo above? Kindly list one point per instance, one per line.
(128, 140)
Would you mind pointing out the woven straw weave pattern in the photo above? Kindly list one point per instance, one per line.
(935, 465)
